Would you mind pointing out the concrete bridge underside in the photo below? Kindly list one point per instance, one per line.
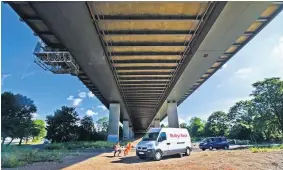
(143, 59)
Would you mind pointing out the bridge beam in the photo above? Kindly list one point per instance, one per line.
(172, 113)
(113, 126)
(126, 130)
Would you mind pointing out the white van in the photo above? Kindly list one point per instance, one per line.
(159, 142)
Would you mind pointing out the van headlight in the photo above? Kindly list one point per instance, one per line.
(150, 146)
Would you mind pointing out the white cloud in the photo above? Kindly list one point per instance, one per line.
(4, 76)
(77, 101)
(102, 107)
(82, 94)
(189, 118)
(82, 108)
(27, 75)
(90, 94)
(181, 120)
(90, 113)
(70, 98)
(243, 73)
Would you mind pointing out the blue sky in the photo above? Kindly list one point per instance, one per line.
(261, 58)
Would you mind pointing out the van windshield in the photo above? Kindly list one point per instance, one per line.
(150, 136)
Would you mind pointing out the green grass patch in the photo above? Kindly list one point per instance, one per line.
(268, 148)
(79, 145)
(14, 156)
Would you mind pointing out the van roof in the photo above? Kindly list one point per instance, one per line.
(152, 130)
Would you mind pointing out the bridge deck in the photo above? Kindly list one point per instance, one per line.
(147, 45)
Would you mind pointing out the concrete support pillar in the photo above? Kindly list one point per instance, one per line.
(152, 124)
(172, 113)
(113, 126)
(156, 123)
(130, 132)
(126, 131)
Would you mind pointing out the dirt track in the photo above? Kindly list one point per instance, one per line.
(208, 160)
(229, 160)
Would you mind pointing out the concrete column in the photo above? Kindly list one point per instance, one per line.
(126, 130)
(156, 123)
(130, 132)
(113, 126)
(172, 113)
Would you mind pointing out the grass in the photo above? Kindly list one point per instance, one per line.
(268, 148)
(14, 156)
(79, 145)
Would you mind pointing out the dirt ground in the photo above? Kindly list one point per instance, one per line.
(208, 160)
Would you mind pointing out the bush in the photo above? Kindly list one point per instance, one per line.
(55, 146)
(44, 156)
(79, 145)
(267, 148)
(14, 156)
(10, 160)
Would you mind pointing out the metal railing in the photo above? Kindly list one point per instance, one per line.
(55, 60)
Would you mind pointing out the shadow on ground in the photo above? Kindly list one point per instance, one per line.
(136, 159)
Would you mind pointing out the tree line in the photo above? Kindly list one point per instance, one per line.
(64, 125)
(257, 119)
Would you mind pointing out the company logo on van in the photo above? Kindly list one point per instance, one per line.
(177, 135)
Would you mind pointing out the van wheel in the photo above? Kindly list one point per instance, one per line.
(210, 148)
(157, 156)
(188, 152)
(203, 149)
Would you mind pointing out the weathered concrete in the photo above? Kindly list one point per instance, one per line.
(172, 113)
(113, 126)
(126, 130)
(156, 123)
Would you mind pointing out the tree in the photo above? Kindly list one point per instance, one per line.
(268, 97)
(165, 126)
(17, 113)
(39, 132)
(216, 124)
(87, 129)
(102, 124)
(183, 125)
(196, 127)
(8, 119)
(63, 125)
(241, 117)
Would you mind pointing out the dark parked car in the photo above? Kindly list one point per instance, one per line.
(214, 143)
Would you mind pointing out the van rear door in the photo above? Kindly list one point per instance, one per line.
(178, 140)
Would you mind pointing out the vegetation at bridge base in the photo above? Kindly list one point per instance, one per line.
(257, 120)
(266, 148)
(14, 156)
(17, 118)
(79, 145)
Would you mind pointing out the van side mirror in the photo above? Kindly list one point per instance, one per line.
(160, 139)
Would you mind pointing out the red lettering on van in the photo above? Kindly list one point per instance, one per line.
(177, 135)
